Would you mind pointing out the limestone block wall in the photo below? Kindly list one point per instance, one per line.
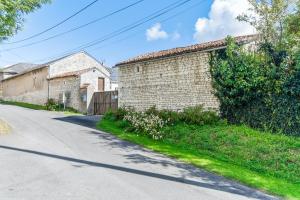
(168, 83)
(70, 87)
(31, 87)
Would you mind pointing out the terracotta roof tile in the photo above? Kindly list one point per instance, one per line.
(40, 66)
(193, 48)
(73, 73)
(18, 68)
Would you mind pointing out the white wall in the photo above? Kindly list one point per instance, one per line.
(75, 62)
(91, 78)
(113, 86)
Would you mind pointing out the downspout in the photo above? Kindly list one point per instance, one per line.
(48, 81)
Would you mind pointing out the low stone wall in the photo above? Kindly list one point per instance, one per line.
(38, 98)
(168, 83)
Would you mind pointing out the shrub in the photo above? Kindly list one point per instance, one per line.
(110, 115)
(152, 121)
(152, 110)
(198, 116)
(118, 114)
(121, 112)
(52, 105)
(148, 124)
(169, 116)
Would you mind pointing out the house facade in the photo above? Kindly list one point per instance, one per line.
(71, 80)
(171, 79)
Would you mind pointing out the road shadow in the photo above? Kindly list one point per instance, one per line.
(129, 151)
(87, 121)
(215, 185)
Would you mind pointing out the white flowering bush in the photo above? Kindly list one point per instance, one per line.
(149, 124)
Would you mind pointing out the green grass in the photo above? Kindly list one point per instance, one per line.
(67, 111)
(261, 160)
(24, 105)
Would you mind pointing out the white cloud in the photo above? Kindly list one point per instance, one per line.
(222, 21)
(156, 33)
(176, 36)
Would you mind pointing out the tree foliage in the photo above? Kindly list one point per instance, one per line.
(12, 12)
(292, 30)
(262, 88)
(268, 17)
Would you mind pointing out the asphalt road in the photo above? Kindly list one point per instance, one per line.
(53, 157)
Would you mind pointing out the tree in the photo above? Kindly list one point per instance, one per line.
(12, 12)
(292, 29)
(268, 17)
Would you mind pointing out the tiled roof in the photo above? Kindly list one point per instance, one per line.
(18, 68)
(193, 48)
(40, 66)
(37, 67)
(73, 73)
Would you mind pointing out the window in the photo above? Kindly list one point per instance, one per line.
(101, 84)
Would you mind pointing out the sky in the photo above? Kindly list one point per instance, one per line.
(194, 22)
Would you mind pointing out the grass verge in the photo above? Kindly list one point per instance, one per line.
(67, 111)
(24, 105)
(231, 151)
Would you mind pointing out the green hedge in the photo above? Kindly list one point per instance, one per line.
(260, 89)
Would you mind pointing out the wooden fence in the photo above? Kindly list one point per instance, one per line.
(105, 101)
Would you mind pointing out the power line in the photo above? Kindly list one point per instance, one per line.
(76, 28)
(18, 56)
(128, 27)
(5, 60)
(161, 21)
(56, 25)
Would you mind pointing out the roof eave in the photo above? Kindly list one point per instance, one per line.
(25, 72)
(167, 56)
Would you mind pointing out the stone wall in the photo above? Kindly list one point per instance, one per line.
(31, 87)
(168, 83)
(70, 87)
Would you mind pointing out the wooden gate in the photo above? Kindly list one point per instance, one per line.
(105, 101)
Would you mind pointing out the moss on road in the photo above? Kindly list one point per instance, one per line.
(4, 127)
